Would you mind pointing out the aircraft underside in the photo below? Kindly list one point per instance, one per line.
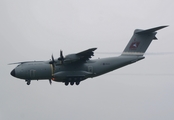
(70, 80)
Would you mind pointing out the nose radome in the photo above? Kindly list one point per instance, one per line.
(13, 73)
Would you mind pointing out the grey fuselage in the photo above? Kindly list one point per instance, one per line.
(39, 70)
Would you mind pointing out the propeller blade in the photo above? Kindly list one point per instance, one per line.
(50, 81)
(61, 58)
(52, 58)
(61, 54)
(52, 61)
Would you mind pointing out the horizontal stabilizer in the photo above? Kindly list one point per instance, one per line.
(150, 30)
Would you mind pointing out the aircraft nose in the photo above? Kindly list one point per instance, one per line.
(13, 73)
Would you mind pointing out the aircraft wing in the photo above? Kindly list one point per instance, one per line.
(80, 57)
(87, 54)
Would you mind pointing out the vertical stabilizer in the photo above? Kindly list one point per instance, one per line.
(140, 41)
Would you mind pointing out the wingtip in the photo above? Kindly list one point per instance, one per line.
(163, 26)
(166, 25)
(93, 49)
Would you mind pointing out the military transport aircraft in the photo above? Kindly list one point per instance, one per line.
(77, 67)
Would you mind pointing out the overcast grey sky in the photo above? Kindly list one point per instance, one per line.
(34, 29)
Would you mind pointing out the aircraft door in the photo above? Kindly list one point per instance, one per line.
(32, 73)
(90, 69)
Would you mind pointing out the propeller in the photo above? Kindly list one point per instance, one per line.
(61, 58)
(50, 81)
(52, 62)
